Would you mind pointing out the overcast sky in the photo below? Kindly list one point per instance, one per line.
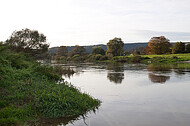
(89, 22)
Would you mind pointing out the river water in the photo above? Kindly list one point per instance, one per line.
(133, 95)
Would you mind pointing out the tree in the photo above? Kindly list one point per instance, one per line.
(28, 41)
(159, 45)
(147, 50)
(188, 48)
(98, 50)
(115, 47)
(179, 47)
(62, 51)
(139, 51)
(80, 50)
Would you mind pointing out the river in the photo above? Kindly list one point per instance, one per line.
(133, 95)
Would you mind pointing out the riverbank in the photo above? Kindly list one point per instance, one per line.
(29, 91)
(148, 59)
(145, 59)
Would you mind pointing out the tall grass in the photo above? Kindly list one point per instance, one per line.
(29, 90)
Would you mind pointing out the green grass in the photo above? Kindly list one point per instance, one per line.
(182, 57)
(31, 91)
(169, 58)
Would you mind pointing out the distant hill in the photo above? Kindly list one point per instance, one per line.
(127, 47)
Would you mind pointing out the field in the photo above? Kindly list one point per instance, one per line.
(183, 57)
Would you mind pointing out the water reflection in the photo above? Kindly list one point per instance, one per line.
(158, 78)
(57, 121)
(115, 72)
(159, 73)
(115, 77)
(160, 68)
(64, 121)
(134, 98)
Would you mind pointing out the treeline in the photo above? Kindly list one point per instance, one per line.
(115, 47)
(34, 44)
(162, 45)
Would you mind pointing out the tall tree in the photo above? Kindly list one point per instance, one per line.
(115, 47)
(98, 50)
(80, 50)
(179, 47)
(28, 41)
(159, 45)
(62, 51)
(188, 48)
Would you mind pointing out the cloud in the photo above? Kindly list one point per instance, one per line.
(97, 21)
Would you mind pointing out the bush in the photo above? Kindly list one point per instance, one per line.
(98, 56)
(76, 56)
(136, 59)
(102, 58)
(174, 57)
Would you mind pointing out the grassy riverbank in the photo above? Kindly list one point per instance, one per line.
(30, 91)
(170, 58)
(167, 58)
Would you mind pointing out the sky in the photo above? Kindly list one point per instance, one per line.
(91, 22)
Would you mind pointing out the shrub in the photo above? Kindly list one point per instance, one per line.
(98, 56)
(136, 59)
(76, 56)
(102, 58)
(174, 57)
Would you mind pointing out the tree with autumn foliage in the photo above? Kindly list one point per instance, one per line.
(159, 45)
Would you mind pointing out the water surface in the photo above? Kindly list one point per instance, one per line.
(134, 95)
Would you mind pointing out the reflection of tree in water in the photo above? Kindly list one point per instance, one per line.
(116, 72)
(68, 75)
(116, 67)
(68, 72)
(115, 77)
(160, 68)
(158, 78)
(158, 72)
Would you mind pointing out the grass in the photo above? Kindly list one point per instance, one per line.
(30, 91)
(178, 57)
(169, 58)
